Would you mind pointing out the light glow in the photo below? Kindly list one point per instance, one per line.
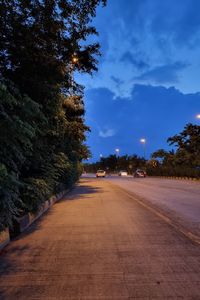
(143, 141)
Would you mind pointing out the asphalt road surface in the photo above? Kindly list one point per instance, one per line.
(179, 200)
(101, 242)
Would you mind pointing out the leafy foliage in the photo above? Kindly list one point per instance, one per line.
(35, 191)
(188, 145)
(21, 121)
(115, 163)
(40, 40)
(9, 197)
(185, 161)
(42, 130)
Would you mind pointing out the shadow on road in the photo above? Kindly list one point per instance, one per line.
(8, 263)
(82, 191)
(7, 266)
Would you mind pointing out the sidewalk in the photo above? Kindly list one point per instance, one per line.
(99, 244)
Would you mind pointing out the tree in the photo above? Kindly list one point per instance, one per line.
(188, 145)
(43, 42)
(185, 161)
(112, 163)
(21, 120)
(40, 40)
(164, 156)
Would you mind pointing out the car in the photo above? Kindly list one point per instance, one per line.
(140, 173)
(100, 173)
(123, 173)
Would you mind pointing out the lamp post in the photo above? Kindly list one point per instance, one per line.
(117, 151)
(143, 141)
(117, 156)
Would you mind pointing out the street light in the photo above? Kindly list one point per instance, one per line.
(143, 141)
(198, 116)
(117, 157)
(74, 61)
(101, 155)
(117, 151)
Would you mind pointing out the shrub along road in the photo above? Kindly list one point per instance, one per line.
(99, 243)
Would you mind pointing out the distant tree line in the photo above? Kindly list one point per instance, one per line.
(114, 163)
(42, 130)
(183, 162)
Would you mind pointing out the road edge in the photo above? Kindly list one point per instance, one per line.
(160, 213)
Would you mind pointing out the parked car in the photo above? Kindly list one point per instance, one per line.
(140, 173)
(100, 173)
(123, 173)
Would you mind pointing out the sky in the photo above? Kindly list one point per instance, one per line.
(148, 83)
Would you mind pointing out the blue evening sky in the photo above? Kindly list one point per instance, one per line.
(148, 83)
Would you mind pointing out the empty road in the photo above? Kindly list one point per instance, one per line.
(101, 242)
(179, 200)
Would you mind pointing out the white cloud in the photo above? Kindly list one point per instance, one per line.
(107, 133)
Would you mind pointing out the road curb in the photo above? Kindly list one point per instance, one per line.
(4, 238)
(22, 223)
(177, 178)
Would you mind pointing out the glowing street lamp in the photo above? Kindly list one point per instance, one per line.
(117, 151)
(74, 61)
(117, 156)
(101, 155)
(143, 141)
(198, 116)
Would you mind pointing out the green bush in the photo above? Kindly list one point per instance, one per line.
(34, 193)
(176, 171)
(19, 126)
(57, 172)
(42, 130)
(38, 158)
(9, 197)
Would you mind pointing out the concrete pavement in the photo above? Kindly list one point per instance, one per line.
(100, 244)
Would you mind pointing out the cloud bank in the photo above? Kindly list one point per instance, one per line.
(155, 113)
